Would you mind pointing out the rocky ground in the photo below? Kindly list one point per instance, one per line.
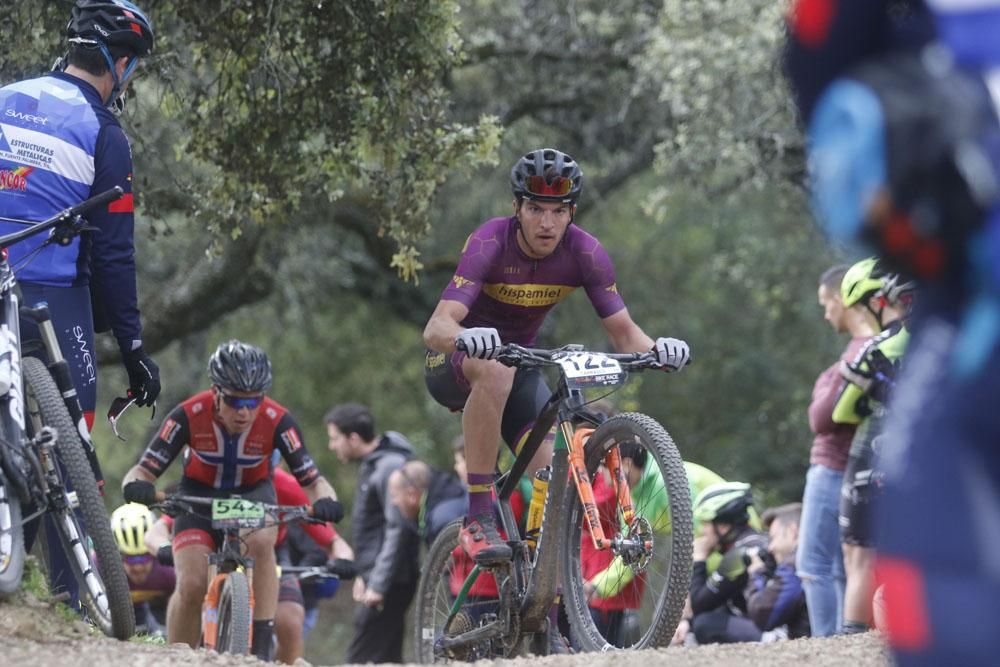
(33, 632)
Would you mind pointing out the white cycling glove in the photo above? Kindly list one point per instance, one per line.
(479, 342)
(671, 353)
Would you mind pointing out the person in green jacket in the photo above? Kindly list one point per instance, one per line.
(868, 380)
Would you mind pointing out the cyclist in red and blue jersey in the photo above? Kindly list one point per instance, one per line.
(59, 145)
(513, 271)
(228, 434)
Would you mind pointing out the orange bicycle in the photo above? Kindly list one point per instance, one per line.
(227, 611)
(642, 529)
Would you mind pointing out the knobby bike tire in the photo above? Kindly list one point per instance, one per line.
(433, 602)
(50, 410)
(670, 566)
(235, 615)
(11, 540)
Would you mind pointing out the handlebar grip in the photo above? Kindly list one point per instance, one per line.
(105, 197)
(460, 346)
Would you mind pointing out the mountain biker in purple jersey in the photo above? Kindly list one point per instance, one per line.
(513, 270)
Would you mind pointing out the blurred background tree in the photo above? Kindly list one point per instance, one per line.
(308, 171)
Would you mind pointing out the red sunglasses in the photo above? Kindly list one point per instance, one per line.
(559, 187)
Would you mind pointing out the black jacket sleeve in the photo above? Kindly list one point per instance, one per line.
(710, 592)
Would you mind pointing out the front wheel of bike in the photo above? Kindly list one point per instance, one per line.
(11, 540)
(103, 583)
(645, 580)
(235, 615)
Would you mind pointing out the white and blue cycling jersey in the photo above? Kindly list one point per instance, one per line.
(59, 145)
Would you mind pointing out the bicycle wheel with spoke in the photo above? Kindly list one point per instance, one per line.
(641, 584)
(103, 584)
(11, 540)
(235, 615)
(444, 573)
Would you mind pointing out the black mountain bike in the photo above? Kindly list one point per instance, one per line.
(47, 460)
(641, 529)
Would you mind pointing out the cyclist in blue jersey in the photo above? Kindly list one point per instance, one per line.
(513, 271)
(905, 155)
(59, 145)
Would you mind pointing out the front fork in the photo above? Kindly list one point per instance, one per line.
(59, 368)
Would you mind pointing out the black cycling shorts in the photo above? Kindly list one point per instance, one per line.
(448, 386)
(262, 492)
(858, 492)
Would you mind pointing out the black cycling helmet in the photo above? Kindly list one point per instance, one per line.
(546, 175)
(240, 367)
(118, 25)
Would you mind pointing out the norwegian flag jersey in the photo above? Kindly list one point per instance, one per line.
(222, 460)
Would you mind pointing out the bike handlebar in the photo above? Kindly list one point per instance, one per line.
(183, 503)
(514, 355)
(70, 213)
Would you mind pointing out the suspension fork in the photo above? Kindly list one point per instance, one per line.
(585, 490)
(59, 368)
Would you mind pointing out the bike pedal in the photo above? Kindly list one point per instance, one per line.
(46, 438)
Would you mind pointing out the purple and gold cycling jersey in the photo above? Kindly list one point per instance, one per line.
(504, 288)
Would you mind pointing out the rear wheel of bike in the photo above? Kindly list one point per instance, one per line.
(235, 616)
(11, 540)
(645, 585)
(444, 572)
(103, 584)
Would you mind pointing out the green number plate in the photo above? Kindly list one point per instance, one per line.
(236, 513)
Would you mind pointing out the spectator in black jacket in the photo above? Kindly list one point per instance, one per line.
(385, 552)
(717, 600)
(775, 599)
(428, 498)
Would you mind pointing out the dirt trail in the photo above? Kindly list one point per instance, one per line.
(32, 633)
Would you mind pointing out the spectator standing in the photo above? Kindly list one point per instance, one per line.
(819, 560)
(385, 552)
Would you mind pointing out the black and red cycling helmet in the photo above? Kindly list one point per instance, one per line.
(547, 175)
(118, 25)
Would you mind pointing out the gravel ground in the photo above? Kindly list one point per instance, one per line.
(32, 633)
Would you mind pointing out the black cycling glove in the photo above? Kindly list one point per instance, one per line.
(140, 491)
(165, 555)
(143, 376)
(342, 567)
(328, 509)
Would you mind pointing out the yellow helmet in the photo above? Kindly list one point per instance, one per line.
(861, 281)
(129, 523)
